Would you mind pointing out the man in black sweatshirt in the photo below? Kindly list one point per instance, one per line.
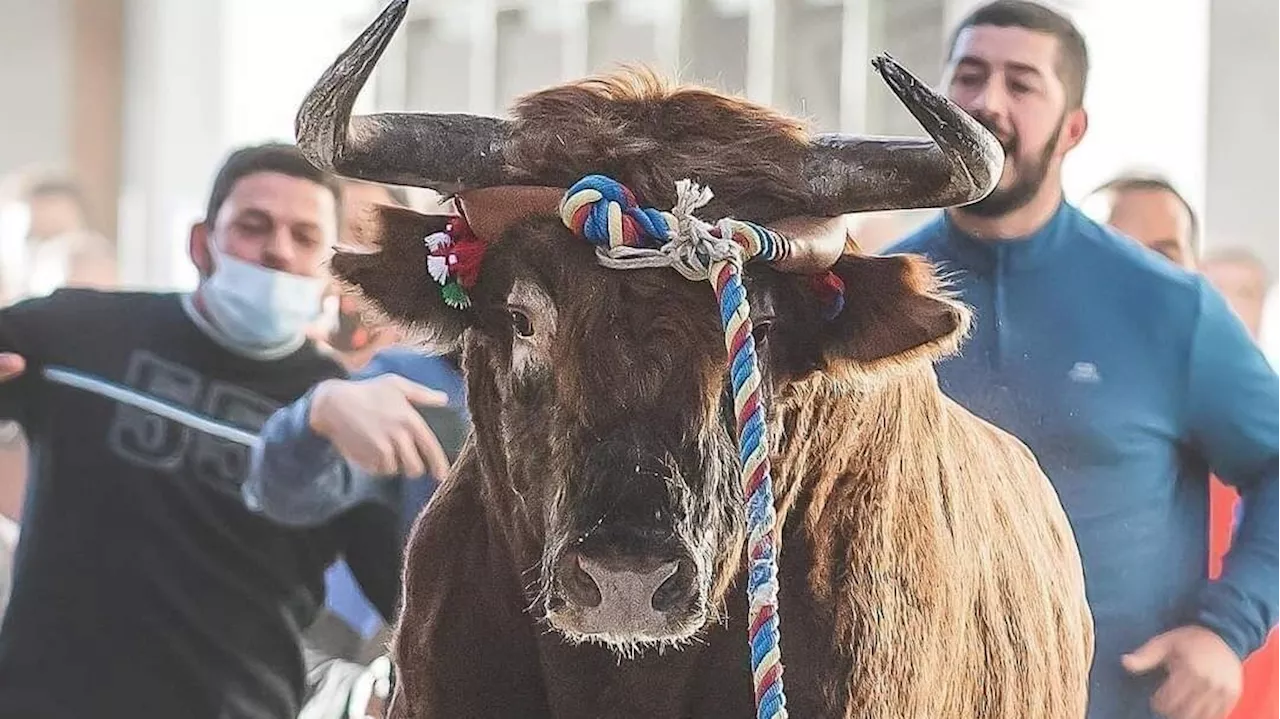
(144, 586)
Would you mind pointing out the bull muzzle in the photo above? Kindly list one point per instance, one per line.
(628, 571)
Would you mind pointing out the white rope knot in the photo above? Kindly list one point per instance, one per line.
(691, 249)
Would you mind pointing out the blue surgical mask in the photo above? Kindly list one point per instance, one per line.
(256, 307)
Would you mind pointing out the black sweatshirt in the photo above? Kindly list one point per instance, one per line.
(143, 584)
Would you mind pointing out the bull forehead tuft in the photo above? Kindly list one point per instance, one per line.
(648, 132)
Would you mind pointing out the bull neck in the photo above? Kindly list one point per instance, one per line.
(1017, 254)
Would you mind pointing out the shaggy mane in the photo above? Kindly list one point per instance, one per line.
(928, 539)
(648, 131)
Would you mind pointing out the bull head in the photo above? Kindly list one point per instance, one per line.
(602, 422)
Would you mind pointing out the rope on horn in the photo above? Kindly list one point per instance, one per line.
(605, 213)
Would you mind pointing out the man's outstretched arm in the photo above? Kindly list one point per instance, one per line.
(323, 454)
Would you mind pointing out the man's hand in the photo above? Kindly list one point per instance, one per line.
(1204, 675)
(374, 425)
(11, 365)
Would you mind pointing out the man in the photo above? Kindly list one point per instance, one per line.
(144, 586)
(60, 249)
(1129, 379)
(57, 249)
(350, 635)
(379, 433)
(1151, 211)
(1243, 280)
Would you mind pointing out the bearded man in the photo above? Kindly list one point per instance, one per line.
(1128, 377)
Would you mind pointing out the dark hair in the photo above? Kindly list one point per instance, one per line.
(272, 157)
(1153, 183)
(1073, 53)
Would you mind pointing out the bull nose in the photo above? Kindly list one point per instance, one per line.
(631, 590)
(621, 597)
(577, 586)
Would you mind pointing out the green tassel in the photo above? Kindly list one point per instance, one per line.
(455, 296)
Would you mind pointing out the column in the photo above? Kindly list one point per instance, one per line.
(714, 43)
(1241, 185)
(173, 114)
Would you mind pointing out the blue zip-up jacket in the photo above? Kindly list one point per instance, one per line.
(1130, 379)
(298, 478)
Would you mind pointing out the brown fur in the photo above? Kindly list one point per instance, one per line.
(653, 132)
(927, 569)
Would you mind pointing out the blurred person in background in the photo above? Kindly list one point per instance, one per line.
(346, 643)
(378, 436)
(60, 248)
(1149, 210)
(1243, 279)
(54, 247)
(144, 585)
(1128, 378)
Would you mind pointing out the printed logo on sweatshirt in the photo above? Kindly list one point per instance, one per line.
(172, 419)
(1085, 373)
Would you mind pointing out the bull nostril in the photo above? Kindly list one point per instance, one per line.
(578, 586)
(676, 591)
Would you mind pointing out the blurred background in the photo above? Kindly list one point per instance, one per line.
(137, 101)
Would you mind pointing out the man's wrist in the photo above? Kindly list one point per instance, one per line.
(1218, 611)
(317, 413)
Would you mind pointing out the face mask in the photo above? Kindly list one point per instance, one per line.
(259, 308)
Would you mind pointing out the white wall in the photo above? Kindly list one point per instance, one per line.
(1147, 94)
(36, 83)
(1243, 154)
(201, 79)
(1242, 184)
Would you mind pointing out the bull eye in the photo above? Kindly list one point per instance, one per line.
(760, 330)
(520, 323)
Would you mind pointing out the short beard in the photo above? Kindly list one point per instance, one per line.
(1031, 176)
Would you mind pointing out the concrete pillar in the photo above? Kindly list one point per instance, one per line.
(173, 120)
(1241, 184)
(36, 82)
(621, 32)
(714, 43)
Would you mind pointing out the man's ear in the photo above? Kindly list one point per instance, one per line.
(198, 249)
(894, 312)
(388, 270)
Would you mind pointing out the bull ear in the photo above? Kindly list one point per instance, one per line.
(388, 271)
(894, 311)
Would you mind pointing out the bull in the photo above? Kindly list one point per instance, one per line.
(585, 559)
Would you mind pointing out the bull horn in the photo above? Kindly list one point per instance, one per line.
(444, 152)
(959, 165)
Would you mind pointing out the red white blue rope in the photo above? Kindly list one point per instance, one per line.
(605, 213)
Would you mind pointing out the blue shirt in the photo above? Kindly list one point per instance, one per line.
(298, 478)
(1130, 379)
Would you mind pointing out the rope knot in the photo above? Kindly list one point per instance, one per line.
(605, 213)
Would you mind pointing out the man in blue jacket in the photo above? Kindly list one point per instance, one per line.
(386, 435)
(1129, 378)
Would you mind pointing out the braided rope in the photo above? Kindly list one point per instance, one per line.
(604, 212)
